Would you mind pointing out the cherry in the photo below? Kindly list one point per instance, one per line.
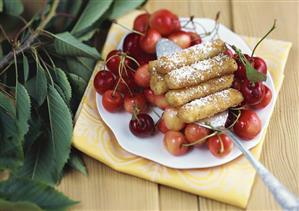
(142, 76)
(149, 95)
(165, 22)
(141, 22)
(259, 64)
(112, 100)
(137, 101)
(161, 102)
(103, 81)
(237, 84)
(126, 84)
(113, 61)
(142, 125)
(149, 40)
(229, 53)
(181, 38)
(174, 143)
(145, 58)
(253, 93)
(194, 132)
(241, 71)
(195, 38)
(248, 125)
(220, 145)
(162, 126)
(265, 101)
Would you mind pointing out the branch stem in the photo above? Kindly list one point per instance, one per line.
(26, 45)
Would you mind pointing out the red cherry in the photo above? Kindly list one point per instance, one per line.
(195, 38)
(138, 100)
(149, 95)
(142, 76)
(229, 53)
(248, 125)
(259, 64)
(181, 38)
(113, 60)
(127, 83)
(220, 145)
(141, 22)
(174, 143)
(149, 40)
(265, 101)
(194, 132)
(103, 81)
(161, 102)
(145, 58)
(131, 44)
(142, 126)
(165, 22)
(162, 126)
(253, 93)
(112, 101)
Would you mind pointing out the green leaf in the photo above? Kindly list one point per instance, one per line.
(76, 162)
(61, 128)
(25, 68)
(11, 151)
(22, 110)
(92, 12)
(251, 73)
(121, 7)
(37, 86)
(7, 104)
(44, 196)
(18, 206)
(62, 82)
(1, 6)
(13, 7)
(88, 35)
(67, 45)
(78, 84)
(81, 66)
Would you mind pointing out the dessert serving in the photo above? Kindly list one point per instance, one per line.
(164, 107)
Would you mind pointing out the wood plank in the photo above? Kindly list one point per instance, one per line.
(172, 199)
(106, 189)
(280, 153)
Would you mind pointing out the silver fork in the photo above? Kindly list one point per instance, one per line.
(286, 199)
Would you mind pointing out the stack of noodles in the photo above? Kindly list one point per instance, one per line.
(196, 80)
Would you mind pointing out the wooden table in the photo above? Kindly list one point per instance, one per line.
(106, 189)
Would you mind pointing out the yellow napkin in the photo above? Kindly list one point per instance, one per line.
(230, 183)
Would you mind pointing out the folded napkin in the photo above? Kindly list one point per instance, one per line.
(230, 183)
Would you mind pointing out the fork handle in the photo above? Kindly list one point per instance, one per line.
(286, 199)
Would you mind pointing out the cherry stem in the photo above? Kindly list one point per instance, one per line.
(135, 112)
(202, 140)
(257, 44)
(237, 118)
(221, 150)
(156, 113)
(131, 30)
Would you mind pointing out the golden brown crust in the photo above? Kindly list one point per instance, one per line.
(157, 82)
(190, 55)
(181, 96)
(210, 105)
(200, 72)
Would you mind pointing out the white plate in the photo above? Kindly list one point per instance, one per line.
(152, 147)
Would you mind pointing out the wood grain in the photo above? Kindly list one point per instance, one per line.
(106, 189)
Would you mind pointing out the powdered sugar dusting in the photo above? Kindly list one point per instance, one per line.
(192, 72)
(190, 54)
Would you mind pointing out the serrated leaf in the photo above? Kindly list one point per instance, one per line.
(61, 128)
(92, 12)
(37, 86)
(67, 45)
(81, 66)
(46, 197)
(33, 134)
(11, 151)
(121, 7)
(7, 104)
(77, 163)
(18, 206)
(62, 82)
(13, 7)
(25, 68)
(78, 84)
(23, 107)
